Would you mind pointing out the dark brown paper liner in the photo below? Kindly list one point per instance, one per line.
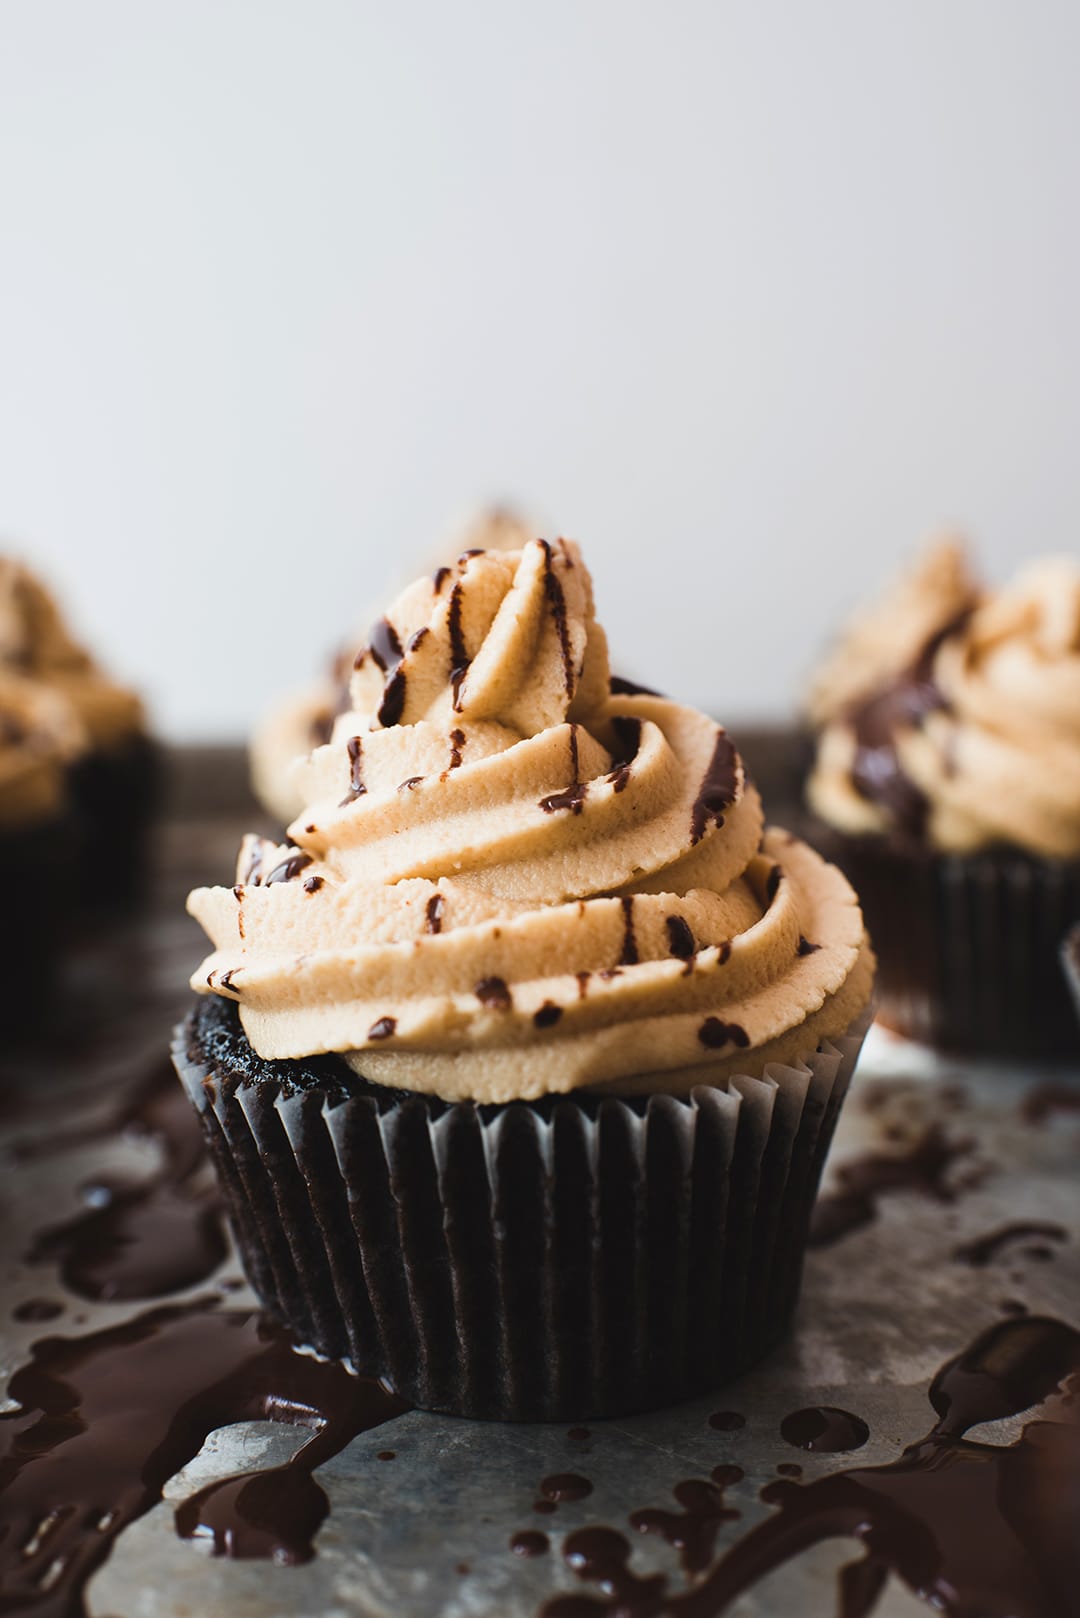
(968, 946)
(114, 793)
(1070, 960)
(562, 1260)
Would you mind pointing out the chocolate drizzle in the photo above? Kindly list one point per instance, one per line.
(457, 748)
(288, 868)
(717, 790)
(629, 956)
(548, 1015)
(385, 647)
(557, 603)
(573, 796)
(876, 773)
(628, 738)
(106, 1420)
(382, 1028)
(459, 657)
(355, 749)
(680, 938)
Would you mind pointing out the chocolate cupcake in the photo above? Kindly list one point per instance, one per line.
(39, 737)
(298, 723)
(113, 776)
(520, 1058)
(947, 786)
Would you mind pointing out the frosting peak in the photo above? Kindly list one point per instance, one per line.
(507, 880)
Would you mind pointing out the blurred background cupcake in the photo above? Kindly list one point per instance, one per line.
(298, 723)
(946, 783)
(111, 767)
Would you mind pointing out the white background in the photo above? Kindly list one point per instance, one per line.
(747, 297)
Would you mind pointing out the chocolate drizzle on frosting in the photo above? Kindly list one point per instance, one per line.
(354, 747)
(717, 790)
(557, 603)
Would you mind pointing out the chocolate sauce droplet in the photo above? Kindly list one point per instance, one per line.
(726, 1421)
(693, 1530)
(715, 1033)
(548, 1015)
(382, 1028)
(37, 1309)
(433, 915)
(806, 948)
(386, 1455)
(529, 1542)
(312, 884)
(564, 1486)
(825, 1429)
(457, 748)
(392, 705)
(385, 646)
(493, 993)
(983, 1249)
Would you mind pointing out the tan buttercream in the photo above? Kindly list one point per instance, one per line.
(494, 801)
(999, 761)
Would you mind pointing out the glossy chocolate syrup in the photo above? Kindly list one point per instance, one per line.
(976, 1530)
(149, 1237)
(106, 1420)
(824, 1429)
(529, 1542)
(922, 1168)
(629, 956)
(557, 604)
(288, 869)
(355, 749)
(561, 1486)
(680, 938)
(494, 993)
(693, 1530)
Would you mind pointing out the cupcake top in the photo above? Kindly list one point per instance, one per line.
(950, 714)
(299, 723)
(39, 736)
(36, 645)
(515, 876)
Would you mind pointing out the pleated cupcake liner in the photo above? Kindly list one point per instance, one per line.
(561, 1260)
(968, 946)
(114, 794)
(1070, 960)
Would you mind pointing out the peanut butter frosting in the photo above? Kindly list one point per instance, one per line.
(36, 645)
(514, 876)
(39, 736)
(951, 714)
(302, 721)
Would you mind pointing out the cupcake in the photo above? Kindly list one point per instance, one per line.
(303, 721)
(947, 784)
(520, 1057)
(39, 738)
(113, 776)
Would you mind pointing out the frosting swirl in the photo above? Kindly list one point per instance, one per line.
(965, 731)
(509, 881)
(36, 644)
(303, 721)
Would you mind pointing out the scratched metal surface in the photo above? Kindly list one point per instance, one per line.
(426, 1536)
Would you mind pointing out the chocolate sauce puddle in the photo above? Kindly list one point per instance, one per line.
(108, 1419)
(922, 1168)
(983, 1249)
(976, 1530)
(145, 1238)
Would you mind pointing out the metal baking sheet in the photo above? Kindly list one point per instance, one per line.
(427, 1534)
